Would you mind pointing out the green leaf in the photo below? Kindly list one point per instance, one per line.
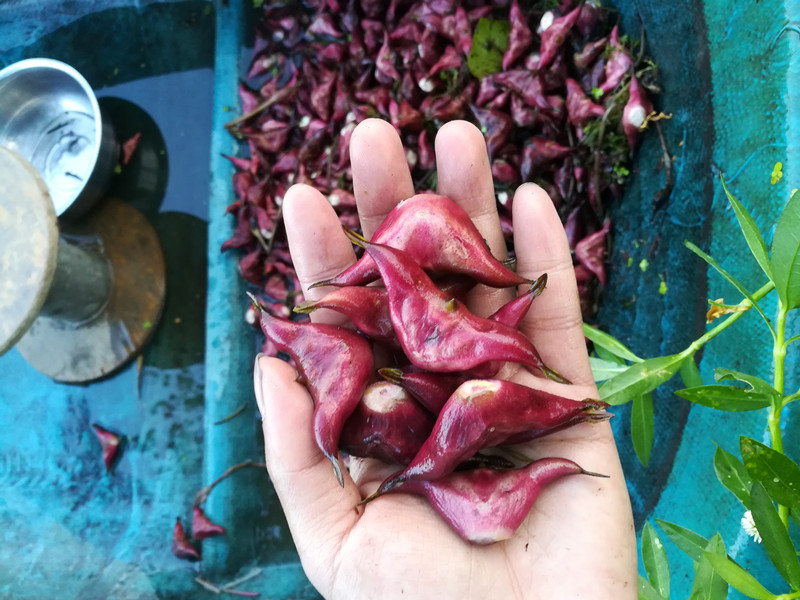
(655, 561)
(605, 369)
(755, 383)
(488, 45)
(642, 427)
(609, 342)
(733, 475)
(690, 374)
(751, 233)
(778, 473)
(725, 397)
(736, 576)
(693, 544)
(708, 585)
(640, 378)
(786, 253)
(647, 591)
(774, 535)
(731, 279)
(609, 356)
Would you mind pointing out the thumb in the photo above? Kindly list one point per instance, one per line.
(319, 512)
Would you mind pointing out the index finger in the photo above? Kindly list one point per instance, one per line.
(317, 244)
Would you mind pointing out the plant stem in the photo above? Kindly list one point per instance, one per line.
(774, 419)
(715, 331)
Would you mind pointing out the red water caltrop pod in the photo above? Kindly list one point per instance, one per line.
(513, 312)
(110, 442)
(366, 307)
(440, 237)
(619, 63)
(636, 111)
(203, 527)
(485, 413)
(437, 332)
(180, 545)
(335, 365)
(580, 108)
(485, 506)
(589, 53)
(555, 35)
(591, 252)
(388, 424)
(431, 389)
(520, 37)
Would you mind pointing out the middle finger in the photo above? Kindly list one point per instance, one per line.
(381, 177)
(465, 176)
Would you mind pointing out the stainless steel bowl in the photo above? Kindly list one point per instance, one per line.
(50, 115)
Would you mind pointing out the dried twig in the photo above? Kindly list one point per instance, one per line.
(277, 97)
(225, 590)
(234, 414)
(204, 493)
(208, 585)
(246, 577)
(662, 195)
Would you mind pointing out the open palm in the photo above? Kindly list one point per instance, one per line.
(578, 540)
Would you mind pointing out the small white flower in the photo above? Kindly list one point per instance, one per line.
(749, 526)
(502, 198)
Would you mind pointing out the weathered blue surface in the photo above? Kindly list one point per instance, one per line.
(731, 87)
(68, 528)
(246, 503)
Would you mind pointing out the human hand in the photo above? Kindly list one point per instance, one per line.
(578, 540)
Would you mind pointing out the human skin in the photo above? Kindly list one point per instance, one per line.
(578, 540)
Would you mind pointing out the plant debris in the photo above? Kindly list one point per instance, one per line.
(548, 87)
(110, 442)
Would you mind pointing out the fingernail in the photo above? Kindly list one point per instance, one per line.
(257, 384)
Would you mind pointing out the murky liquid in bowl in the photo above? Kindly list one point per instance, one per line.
(65, 155)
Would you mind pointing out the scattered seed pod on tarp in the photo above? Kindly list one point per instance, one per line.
(203, 527)
(110, 442)
(180, 545)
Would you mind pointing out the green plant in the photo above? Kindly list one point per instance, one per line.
(763, 478)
